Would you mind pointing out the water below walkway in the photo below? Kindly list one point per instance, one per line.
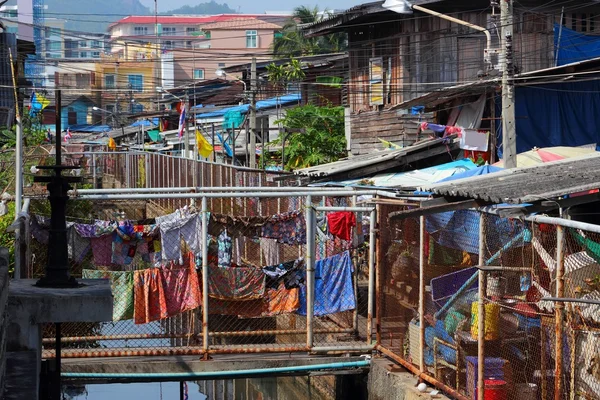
(281, 388)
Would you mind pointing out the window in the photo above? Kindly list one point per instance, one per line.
(169, 31)
(109, 81)
(136, 82)
(199, 73)
(110, 108)
(221, 65)
(95, 54)
(137, 108)
(83, 54)
(168, 45)
(140, 30)
(96, 44)
(188, 44)
(82, 43)
(191, 29)
(251, 39)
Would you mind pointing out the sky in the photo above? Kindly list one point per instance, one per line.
(260, 6)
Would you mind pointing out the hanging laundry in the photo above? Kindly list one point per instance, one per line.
(121, 283)
(334, 291)
(149, 296)
(78, 246)
(289, 228)
(270, 251)
(433, 127)
(102, 249)
(341, 223)
(281, 300)
(224, 250)
(181, 287)
(124, 244)
(238, 282)
(291, 273)
(173, 227)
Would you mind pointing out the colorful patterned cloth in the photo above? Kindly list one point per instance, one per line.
(224, 250)
(282, 300)
(181, 287)
(291, 273)
(149, 296)
(236, 282)
(122, 289)
(102, 249)
(334, 291)
(289, 228)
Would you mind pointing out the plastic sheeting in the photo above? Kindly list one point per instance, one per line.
(574, 46)
(260, 105)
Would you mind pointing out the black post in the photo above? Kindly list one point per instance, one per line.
(57, 268)
(58, 127)
(181, 390)
(57, 389)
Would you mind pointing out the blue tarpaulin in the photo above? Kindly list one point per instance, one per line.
(333, 286)
(560, 114)
(483, 170)
(260, 105)
(574, 46)
(90, 128)
(146, 122)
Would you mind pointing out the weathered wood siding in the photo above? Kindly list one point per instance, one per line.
(427, 53)
(370, 126)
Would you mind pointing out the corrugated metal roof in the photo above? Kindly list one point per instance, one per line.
(527, 185)
(372, 159)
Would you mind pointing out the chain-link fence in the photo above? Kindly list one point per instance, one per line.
(232, 278)
(540, 286)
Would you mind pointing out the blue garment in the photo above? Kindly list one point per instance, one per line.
(436, 128)
(333, 286)
(574, 46)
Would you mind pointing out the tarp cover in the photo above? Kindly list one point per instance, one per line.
(573, 46)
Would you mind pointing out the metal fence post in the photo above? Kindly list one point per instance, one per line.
(559, 309)
(147, 169)
(481, 313)
(372, 255)
(127, 171)
(310, 271)
(95, 186)
(205, 275)
(422, 366)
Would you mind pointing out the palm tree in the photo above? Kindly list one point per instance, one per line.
(292, 43)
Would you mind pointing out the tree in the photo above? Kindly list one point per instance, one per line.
(293, 43)
(321, 138)
(280, 75)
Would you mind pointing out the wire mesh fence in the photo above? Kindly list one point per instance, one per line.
(539, 312)
(247, 282)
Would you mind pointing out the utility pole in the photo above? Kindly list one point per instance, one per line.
(509, 133)
(253, 79)
(186, 101)
(19, 144)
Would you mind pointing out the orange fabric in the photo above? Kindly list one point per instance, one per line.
(149, 296)
(282, 300)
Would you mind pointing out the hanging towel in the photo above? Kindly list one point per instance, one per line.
(243, 282)
(341, 223)
(149, 296)
(121, 283)
(181, 287)
(333, 286)
(289, 228)
(175, 226)
(270, 251)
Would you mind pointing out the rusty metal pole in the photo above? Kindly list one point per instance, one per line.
(378, 265)
(204, 275)
(371, 294)
(481, 314)
(422, 366)
(559, 310)
(310, 271)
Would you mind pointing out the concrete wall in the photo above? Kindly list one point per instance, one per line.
(3, 319)
(386, 383)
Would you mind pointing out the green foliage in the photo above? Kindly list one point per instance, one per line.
(279, 75)
(33, 133)
(322, 141)
(292, 43)
(8, 239)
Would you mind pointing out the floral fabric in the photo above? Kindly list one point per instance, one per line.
(121, 283)
(242, 282)
(289, 228)
(149, 296)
